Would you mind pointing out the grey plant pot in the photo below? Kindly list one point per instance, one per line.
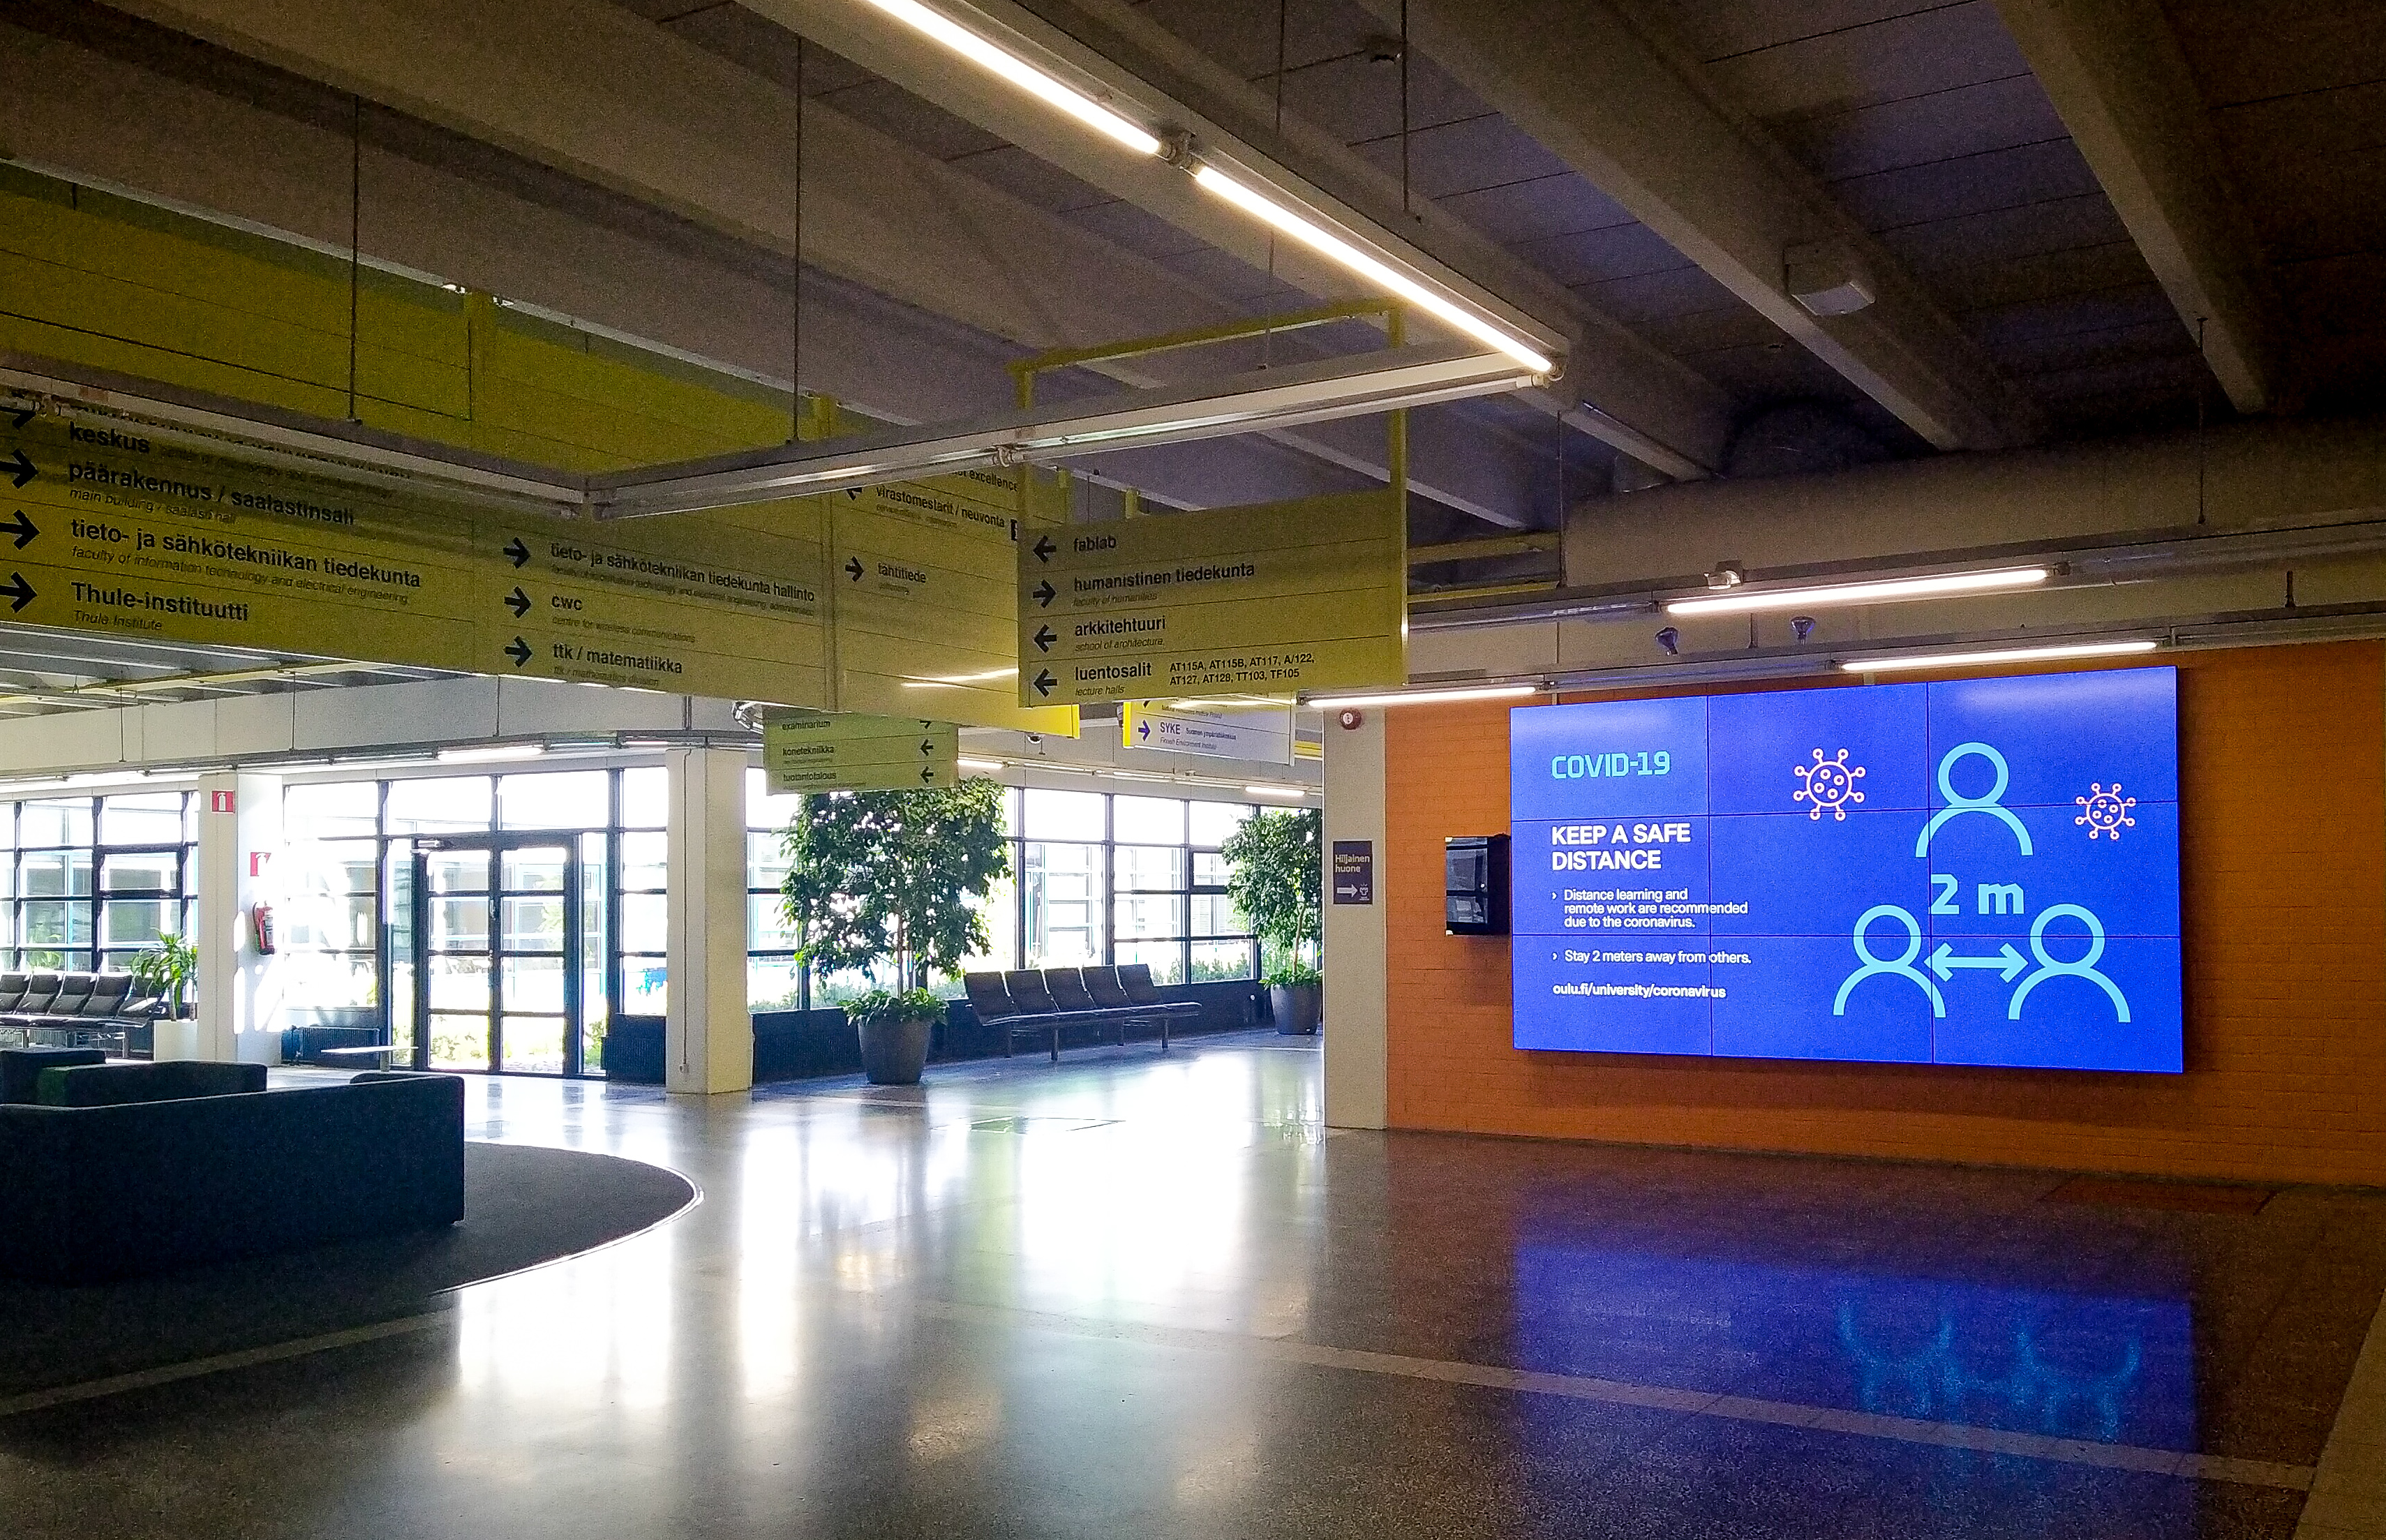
(1295, 1007)
(892, 1052)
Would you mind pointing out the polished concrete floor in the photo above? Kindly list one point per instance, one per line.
(1137, 1296)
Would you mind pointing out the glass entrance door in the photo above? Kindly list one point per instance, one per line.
(496, 954)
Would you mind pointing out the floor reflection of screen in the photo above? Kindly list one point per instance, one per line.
(2109, 1369)
(1983, 872)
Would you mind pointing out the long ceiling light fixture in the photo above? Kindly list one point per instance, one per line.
(1883, 590)
(1318, 239)
(1426, 697)
(1178, 150)
(2002, 655)
(1000, 61)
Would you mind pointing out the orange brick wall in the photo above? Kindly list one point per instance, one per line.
(2282, 789)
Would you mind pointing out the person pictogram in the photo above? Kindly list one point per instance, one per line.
(2054, 967)
(1958, 804)
(1900, 967)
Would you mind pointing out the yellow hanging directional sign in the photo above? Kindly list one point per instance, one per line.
(112, 531)
(926, 602)
(1277, 598)
(859, 754)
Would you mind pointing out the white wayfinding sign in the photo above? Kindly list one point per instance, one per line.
(1264, 736)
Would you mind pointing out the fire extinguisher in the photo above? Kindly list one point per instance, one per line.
(260, 928)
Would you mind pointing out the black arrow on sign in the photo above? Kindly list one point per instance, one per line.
(927, 773)
(853, 567)
(519, 552)
(519, 602)
(1044, 681)
(1044, 548)
(18, 590)
(518, 652)
(24, 415)
(1044, 638)
(22, 528)
(25, 469)
(927, 748)
(1044, 592)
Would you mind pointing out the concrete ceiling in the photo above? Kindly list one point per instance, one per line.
(2044, 265)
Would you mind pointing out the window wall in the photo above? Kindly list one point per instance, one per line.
(349, 942)
(1097, 877)
(88, 883)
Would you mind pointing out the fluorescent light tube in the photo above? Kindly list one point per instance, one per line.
(1883, 590)
(1290, 793)
(493, 754)
(988, 767)
(1325, 242)
(1019, 72)
(1424, 697)
(2002, 654)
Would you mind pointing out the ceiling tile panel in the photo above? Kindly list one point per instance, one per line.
(1534, 209)
(1966, 186)
(1973, 119)
(2003, 234)
(1591, 256)
(1464, 156)
(1888, 61)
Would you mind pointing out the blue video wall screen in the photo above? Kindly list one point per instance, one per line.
(1977, 872)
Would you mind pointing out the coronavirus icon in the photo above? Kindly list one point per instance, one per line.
(2104, 812)
(1830, 786)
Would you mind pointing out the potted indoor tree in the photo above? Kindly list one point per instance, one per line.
(164, 970)
(895, 879)
(1277, 883)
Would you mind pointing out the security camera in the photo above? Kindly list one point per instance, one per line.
(1671, 640)
(1803, 626)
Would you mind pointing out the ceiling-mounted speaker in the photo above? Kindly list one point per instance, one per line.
(1826, 279)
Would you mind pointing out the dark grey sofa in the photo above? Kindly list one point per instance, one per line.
(136, 1187)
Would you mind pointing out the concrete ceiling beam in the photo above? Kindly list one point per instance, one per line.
(1597, 83)
(2116, 75)
(1648, 404)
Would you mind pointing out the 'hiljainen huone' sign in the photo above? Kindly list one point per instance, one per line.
(1983, 871)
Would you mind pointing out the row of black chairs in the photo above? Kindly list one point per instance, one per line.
(82, 1009)
(1039, 1002)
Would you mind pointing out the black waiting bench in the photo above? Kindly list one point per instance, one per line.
(72, 1009)
(1035, 1002)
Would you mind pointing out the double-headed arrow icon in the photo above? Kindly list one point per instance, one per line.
(519, 552)
(519, 602)
(19, 592)
(22, 528)
(853, 567)
(1044, 548)
(1045, 594)
(2007, 963)
(22, 470)
(1044, 681)
(518, 652)
(1044, 639)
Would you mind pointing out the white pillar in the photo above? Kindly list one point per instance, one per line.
(1357, 940)
(707, 1035)
(238, 995)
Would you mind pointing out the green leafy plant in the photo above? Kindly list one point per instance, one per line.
(1292, 971)
(1276, 881)
(899, 877)
(168, 968)
(895, 1004)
